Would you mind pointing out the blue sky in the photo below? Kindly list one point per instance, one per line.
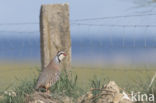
(28, 10)
(17, 11)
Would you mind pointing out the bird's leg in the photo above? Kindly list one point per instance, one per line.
(47, 91)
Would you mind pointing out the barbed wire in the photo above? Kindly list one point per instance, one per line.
(20, 23)
(88, 24)
(113, 17)
(19, 31)
(83, 19)
(112, 25)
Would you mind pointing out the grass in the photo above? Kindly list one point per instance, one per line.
(25, 88)
(123, 77)
(67, 85)
(11, 76)
(77, 82)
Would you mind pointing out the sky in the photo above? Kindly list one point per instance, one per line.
(27, 11)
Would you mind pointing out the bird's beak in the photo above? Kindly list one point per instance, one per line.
(64, 54)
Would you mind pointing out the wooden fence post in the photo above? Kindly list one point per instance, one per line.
(55, 33)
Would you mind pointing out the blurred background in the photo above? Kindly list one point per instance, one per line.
(114, 34)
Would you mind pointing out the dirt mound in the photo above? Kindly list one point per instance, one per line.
(109, 93)
(39, 97)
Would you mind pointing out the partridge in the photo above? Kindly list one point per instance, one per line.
(50, 75)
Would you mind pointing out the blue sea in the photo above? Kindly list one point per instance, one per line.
(86, 50)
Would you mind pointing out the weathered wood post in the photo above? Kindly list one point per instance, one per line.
(55, 33)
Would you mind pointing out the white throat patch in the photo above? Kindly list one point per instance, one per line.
(61, 57)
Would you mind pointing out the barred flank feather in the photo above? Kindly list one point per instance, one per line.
(48, 76)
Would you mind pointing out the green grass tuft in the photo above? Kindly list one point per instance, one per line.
(67, 85)
(26, 88)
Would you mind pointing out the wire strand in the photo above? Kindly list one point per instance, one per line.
(22, 23)
(112, 25)
(113, 17)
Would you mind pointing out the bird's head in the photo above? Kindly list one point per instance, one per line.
(60, 55)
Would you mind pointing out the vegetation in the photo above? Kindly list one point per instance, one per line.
(67, 85)
(74, 85)
(19, 93)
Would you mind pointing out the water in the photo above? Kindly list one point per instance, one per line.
(85, 50)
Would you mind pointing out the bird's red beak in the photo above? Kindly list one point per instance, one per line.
(64, 54)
